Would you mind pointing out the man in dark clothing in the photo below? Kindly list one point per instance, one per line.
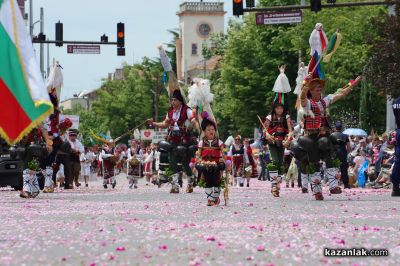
(264, 160)
(395, 177)
(342, 151)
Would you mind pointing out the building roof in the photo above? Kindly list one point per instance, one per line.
(211, 64)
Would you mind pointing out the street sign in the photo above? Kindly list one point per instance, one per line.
(271, 18)
(160, 135)
(83, 49)
(147, 134)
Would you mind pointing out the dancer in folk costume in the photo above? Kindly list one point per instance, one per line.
(237, 153)
(277, 126)
(76, 150)
(318, 142)
(250, 167)
(108, 162)
(278, 131)
(210, 161)
(57, 126)
(179, 145)
(86, 159)
(148, 159)
(36, 162)
(135, 157)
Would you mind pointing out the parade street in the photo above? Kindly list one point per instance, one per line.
(149, 226)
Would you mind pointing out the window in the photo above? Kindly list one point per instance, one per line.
(194, 48)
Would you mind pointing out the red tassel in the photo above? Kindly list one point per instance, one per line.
(322, 40)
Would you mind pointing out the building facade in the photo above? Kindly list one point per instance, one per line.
(197, 20)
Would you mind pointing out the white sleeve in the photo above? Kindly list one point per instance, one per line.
(308, 107)
(230, 151)
(189, 113)
(328, 99)
(82, 157)
(220, 143)
(129, 154)
(201, 144)
(149, 158)
(80, 147)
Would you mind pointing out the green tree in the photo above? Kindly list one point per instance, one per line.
(243, 87)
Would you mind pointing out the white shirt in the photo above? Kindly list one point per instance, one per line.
(77, 145)
(269, 117)
(86, 158)
(139, 156)
(328, 100)
(203, 144)
(149, 157)
(176, 114)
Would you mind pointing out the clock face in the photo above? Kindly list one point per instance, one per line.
(204, 29)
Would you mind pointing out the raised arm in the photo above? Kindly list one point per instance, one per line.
(346, 90)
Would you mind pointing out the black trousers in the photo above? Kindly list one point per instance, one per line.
(344, 166)
(64, 159)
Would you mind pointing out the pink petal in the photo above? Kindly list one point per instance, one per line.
(163, 247)
(210, 238)
(260, 248)
(120, 249)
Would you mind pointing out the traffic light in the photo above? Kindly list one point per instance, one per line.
(59, 34)
(237, 7)
(250, 3)
(120, 51)
(315, 5)
(120, 35)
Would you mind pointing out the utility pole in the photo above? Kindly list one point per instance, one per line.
(41, 45)
(390, 119)
(48, 59)
(31, 18)
(302, 3)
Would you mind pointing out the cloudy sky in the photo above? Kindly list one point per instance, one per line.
(146, 25)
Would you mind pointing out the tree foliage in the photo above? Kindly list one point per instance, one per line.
(384, 56)
(249, 68)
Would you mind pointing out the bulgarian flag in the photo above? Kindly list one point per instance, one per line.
(24, 101)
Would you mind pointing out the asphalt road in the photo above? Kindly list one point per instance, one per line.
(149, 226)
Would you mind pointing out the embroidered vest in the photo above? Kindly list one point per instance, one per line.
(211, 153)
(278, 127)
(319, 120)
(182, 135)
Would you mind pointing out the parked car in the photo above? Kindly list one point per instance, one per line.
(11, 165)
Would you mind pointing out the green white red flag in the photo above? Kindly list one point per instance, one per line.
(24, 100)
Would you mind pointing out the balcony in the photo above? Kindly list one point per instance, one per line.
(208, 7)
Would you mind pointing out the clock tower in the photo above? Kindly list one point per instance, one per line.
(197, 20)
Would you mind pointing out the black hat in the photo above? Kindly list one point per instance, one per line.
(73, 132)
(338, 125)
(178, 95)
(206, 122)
